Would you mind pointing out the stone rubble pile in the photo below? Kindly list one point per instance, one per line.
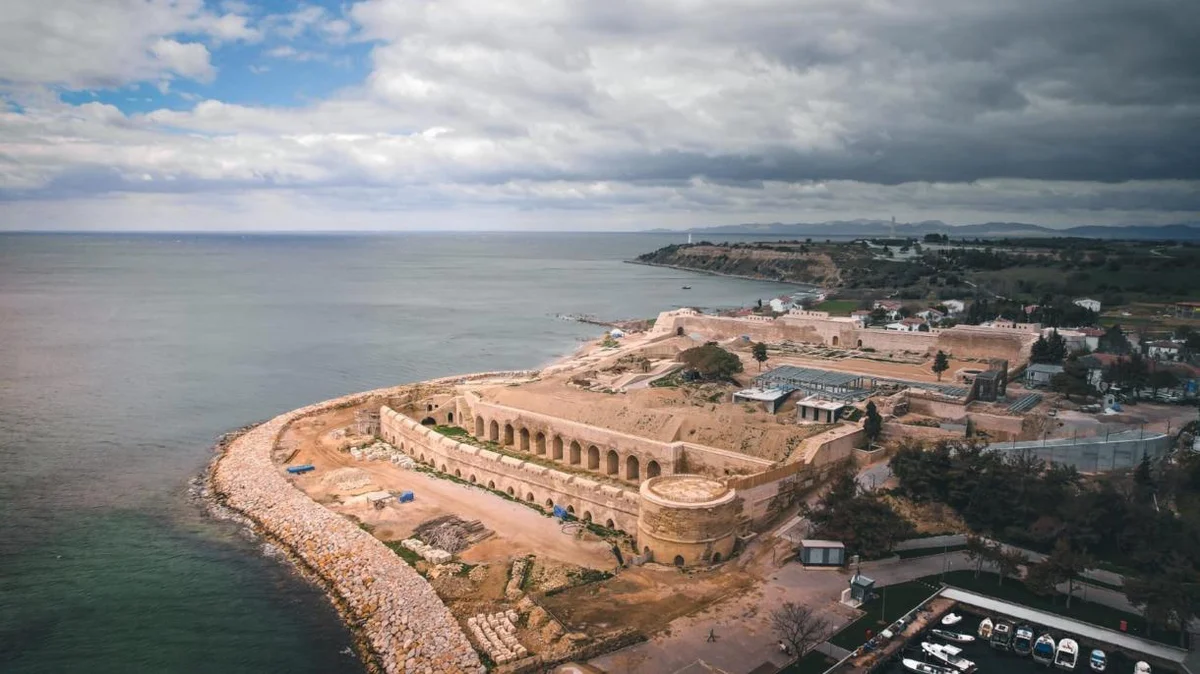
(427, 553)
(517, 578)
(394, 610)
(376, 451)
(346, 479)
(496, 634)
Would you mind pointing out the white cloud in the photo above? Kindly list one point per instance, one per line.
(189, 59)
(665, 112)
(233, 27)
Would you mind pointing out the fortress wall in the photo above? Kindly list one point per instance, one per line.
(718, 462)
(968, 341)
(604, 503)
(894, 340)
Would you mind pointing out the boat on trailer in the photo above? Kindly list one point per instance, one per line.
(985, 629)
(1022, 642)
(924, 667)
(1043, 649)
(952, 636)
(1098, 660)
(948, 655)
(1067, 654)
(1002, 635)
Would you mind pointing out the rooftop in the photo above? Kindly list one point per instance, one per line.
(685, 489)
(1044, 368)
(762, 394)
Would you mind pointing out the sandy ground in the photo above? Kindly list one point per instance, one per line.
(519, 529)
(874, 368)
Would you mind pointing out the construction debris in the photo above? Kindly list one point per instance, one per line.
(452, 533)
(496, 634)
(428, 553)
(347, 479)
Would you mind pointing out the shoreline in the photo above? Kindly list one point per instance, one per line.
(738, 276)
(397, 622)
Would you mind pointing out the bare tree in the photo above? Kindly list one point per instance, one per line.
(799, 627)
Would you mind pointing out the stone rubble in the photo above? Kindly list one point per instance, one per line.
(427, 553)
(394, 611)
(516, 578)
(496, 634)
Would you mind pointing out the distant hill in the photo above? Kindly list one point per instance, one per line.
(1179, 232)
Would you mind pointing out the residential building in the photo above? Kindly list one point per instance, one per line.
(1089, 304)
(907, 325)
(862, 316)
(1040, 374)
(781, 304)
(955, 307)
(1091, 337)
(1187, 310)
(1164, 350)
(932, 316)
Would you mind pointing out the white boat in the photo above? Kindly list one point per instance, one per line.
(952, 619)
(1098, 661)
(1022, 643)
(1142, 667)
(985, 629)
(949, 655)
(1001, 635)
(952, 636)
(1067, 654)
(1043, 649)
(924, 667)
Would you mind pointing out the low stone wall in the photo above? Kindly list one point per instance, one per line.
(525, 480)
(394, 610)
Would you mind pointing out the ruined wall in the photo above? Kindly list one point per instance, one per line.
(969, 341)
(690, 532)
(587, 499)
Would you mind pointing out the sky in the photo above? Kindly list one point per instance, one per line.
(595, 115)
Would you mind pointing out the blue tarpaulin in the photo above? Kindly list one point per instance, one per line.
(406, 496)
(560, 512)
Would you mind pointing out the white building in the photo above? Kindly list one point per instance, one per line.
(955, 307)
(780, 305)
(1164, 350)
(1089, 304)
(906, 325)
(931, 315)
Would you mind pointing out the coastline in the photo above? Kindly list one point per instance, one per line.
(397, 622)
(718, 273)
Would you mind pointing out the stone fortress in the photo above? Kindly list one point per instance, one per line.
(686, 502)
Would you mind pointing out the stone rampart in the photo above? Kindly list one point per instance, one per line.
(590, 500)
(394, 610)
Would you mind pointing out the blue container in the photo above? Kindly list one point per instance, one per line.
(406, 496)
(560, 512)
(296, 470)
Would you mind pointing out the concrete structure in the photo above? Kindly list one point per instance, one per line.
(687, 520)
(821, 553)
(1040, 374)
(1093, 454)
(1089, 304)
(1187, 310)
(955, 307)
(771, 398)
(1164, 350)
(818, 409)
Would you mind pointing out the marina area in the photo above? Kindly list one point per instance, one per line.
(986, 657)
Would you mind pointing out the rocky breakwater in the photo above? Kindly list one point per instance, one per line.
(398, 619)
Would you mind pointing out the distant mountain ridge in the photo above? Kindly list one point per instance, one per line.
(862, 227)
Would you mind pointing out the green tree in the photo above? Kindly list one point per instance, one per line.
(1008, 562)
(873, 422)
(711, 361)
(760, 354)
(980, 551)
(1160, 379)
(941, 363)
(1065, 563)
(1073, 380)
(865, 524)
(1114, 341)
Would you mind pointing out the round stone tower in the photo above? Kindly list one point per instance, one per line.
(687, 520)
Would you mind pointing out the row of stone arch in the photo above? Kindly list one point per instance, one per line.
(571, 453)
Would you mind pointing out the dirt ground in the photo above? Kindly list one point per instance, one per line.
(519, 530)
(874, 368)
(647, 597)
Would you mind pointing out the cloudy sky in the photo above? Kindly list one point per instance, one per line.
(595, 114)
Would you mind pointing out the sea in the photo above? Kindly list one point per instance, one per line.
(124, 356)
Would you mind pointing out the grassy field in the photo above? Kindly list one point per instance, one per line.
(1097, 614)
(837, 307)
(900, 599)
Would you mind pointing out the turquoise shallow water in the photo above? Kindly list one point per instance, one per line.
(122, 357)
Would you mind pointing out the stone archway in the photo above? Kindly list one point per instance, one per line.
(576, 450)
(716, 558)
(539, 444)
(632, 468)
(494, 431)
(587, 516)
(479, 427)
(429, 421)
(508, 434)
(472, 478)
(457, 473)
(449, 417)
(557, 445)
(834, 341)
(491, 484)
(529, 497)
(610, 524)
(570, 510)
(511, 491)
(524, 437)
(653, 469)
(549, 504)
(593, 458)
(860, 343)
(612, 463)
(679, 560)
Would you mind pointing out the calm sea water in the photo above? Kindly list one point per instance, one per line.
(123, 356)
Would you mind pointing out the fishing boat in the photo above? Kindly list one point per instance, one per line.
(1022, 642)
(687, 287)
(985, 629)
(1142, 667)
(1001, 635)
(1043, 649)
(924, 667)
(951, 619)
(1067, 654)
(952, 636)
(1098, 661)
(949, 655)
